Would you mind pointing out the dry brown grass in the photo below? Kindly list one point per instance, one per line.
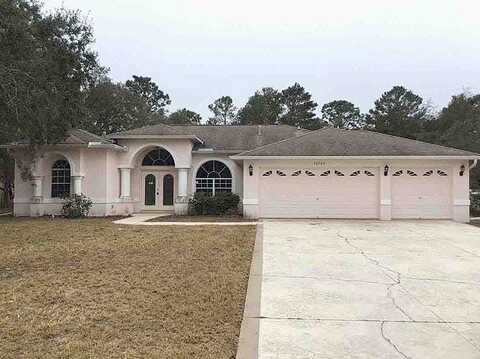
(91, 289)
(174, 218)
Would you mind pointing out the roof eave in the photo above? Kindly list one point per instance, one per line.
(172, 137)
(214, 151)
(92, 145)
(413, 157)
(108, 146)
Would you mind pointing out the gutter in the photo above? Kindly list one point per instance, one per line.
(212, 151)
(467, 157)
(171, 137)
(110, 146)
(474, 164)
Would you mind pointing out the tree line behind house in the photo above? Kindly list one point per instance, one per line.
(52, 80)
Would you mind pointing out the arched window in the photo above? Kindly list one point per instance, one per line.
(158, 157)
(213, 177)
(60, 179)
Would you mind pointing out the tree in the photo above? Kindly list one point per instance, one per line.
(112, 107)
(46, 62)
(398, 112)
(155, 98)
(299, 108)
(458, 125)
(223, 110)
(184, 117)
(342, 114)
(263, 108)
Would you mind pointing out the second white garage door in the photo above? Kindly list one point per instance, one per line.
(319, 193)
(421, 193)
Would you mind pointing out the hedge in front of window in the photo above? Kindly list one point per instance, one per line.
(221, 204)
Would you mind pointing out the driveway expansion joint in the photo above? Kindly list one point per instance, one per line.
(326, 278)
(364, 320)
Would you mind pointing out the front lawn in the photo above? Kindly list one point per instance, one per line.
(92, 289)
(225, 218)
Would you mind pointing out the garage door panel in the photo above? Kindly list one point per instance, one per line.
(421, 193)
(316, 196)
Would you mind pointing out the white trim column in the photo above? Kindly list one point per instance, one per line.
(125, 182)
(36, 207)
(385, 207)
(37, 183)
(251, 193)
(460, 192)
(77, 184)
(182, 182)
(181, 202)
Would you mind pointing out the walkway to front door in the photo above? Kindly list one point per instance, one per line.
(158, 190)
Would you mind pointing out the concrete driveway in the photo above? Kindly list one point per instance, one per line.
(370, 289)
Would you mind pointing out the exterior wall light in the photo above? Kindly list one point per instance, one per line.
(462, 170)
(385, 170)
(250, 170)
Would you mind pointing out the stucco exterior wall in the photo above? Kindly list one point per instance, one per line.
(100, 173)
(99, 178)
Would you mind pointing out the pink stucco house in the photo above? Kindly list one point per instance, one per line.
(278, 171)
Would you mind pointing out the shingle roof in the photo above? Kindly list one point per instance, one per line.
(219, 138)
(74, 137)
(78, 136)
(338, 142)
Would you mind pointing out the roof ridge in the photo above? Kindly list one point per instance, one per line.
(226, 126)
(140, 128)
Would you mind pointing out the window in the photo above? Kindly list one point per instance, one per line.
(213, 177)
(158, 157)
(60, 179)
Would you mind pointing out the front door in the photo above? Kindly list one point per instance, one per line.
(158, 190)
(150, 190)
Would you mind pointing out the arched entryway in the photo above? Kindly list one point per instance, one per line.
(158, 174)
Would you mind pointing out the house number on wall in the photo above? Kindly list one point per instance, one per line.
(319, 163)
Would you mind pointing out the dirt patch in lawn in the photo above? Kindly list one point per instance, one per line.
(88, 288)
(213, 219)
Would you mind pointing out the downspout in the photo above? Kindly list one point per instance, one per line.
(474, 164)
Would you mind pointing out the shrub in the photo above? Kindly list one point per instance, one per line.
(76, 206)
(475, 202)
(220, 204)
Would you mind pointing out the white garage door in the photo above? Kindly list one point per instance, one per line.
(319, 193)
(421, 193)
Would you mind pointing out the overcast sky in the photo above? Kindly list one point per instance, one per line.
(199, 50)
